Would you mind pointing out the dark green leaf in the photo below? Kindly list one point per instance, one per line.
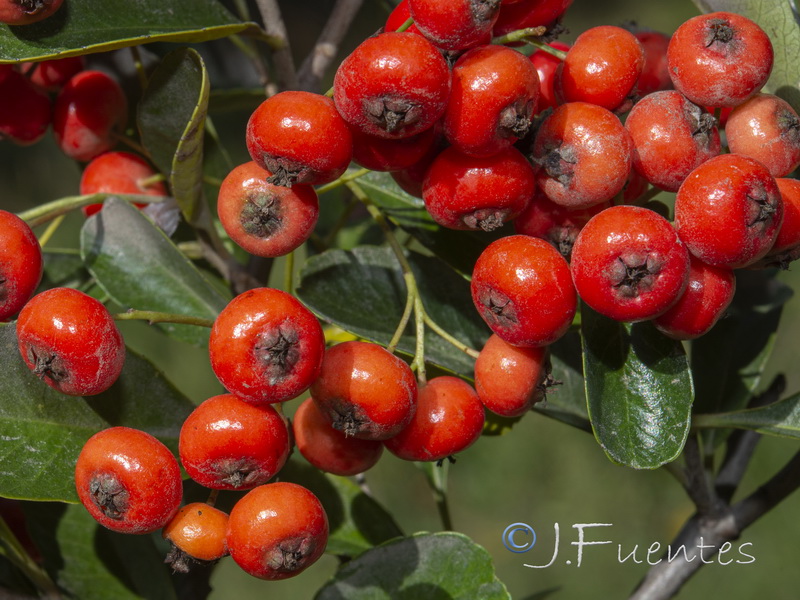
(439, 565)
(92, 563)
(86, 26)
(357, 522)
(139, 267)
(240, 99)
(729, 360)
(42, 431)
(171, 117)
(780, 22)
(566, 401)
(639, 390)
(780, 418)
(363, 292)
(459, 249)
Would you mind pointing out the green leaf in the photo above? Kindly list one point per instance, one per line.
(139, 267)
(87, 26)
(638, 388)
(357, 522)
(171, 117)
(729, 360)
(780, 418)
(363, 292)
(93, 563)
(42, 430)
(459, 249)
(439, 565)
(566, 401)
(779, 21)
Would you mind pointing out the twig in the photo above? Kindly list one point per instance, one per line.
(152, 317)
(275, 27)
(319, 59)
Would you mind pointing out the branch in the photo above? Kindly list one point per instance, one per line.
(319, 59)
(275, 27)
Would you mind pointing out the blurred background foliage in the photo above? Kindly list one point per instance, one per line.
(541, 472)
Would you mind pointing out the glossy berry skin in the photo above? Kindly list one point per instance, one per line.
(328, 449)
(585, 154)
(412, 178)
(365, 391)
(455, 25)
(523, 289)
(71, 342)
(671, 137)
(546, 65)
(198, 532)
(529, 13)
(25, 12)
(602, 67)
(509, 379)
(51, 75)
(266, 347)
(119, 173)
(392, 85)
(21, 264)
(382, 154)
(786, 248)
(766, 128)
(554, 223)
(728, 211)
(265, 219)
(88, 112)
(719, 59)
(463, 192)
(25, 110)
(707, 297)
(299, 137)
(277, 530)
(493, 96)
(228, 444)
(399, 15)
(449, 419)
(655, 72)
(128, 480)
(629, 264)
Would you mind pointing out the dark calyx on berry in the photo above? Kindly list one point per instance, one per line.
(262, 215)
(635, 273)
(391, 114)
(110, 496)
(277, 352)
(498, 307)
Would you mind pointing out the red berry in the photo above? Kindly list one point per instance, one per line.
(457, 24)
(51, 75)
(25, 110)
(529, 13)
(463, 192)
(585, 154)
(228, 444)
(128, 480)
(266, 347)
(787, 242)
(71, 342)
(382, 154)
(398, 17)
(601, 67)
(449, 419)
(546, 65)
(728, 211)
(629, 264)
(655, 72)
(119, 173)
(671, 137)
(766, 128)
(299, 138)
(493, 96)
(328, 449)
(25, 12)
(708, 295)
(20, 264)
(90, 109)
(365, 391)
(510, 380)
(198, 532)
(522, 287)
(719, 59)
(277, 530)
(262, 218)
(392, 85)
